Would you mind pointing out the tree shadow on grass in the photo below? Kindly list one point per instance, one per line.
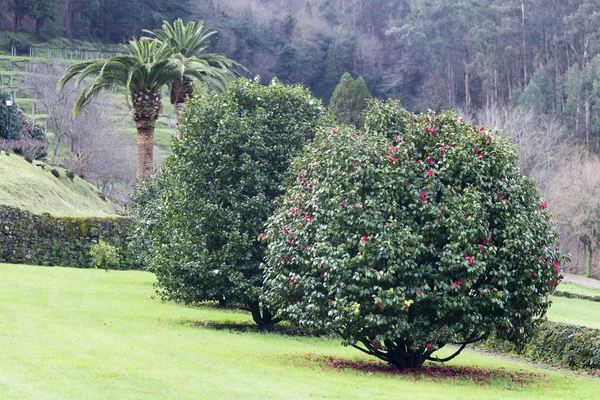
(280, 329)
(429, 372)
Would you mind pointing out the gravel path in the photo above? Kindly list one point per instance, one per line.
(593, 283)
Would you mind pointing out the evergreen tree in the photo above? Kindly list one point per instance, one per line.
(349, 99)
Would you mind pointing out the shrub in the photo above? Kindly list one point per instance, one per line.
(31, 149)
(419, 233)
(104, 255)
(199, 219)
(571, 346)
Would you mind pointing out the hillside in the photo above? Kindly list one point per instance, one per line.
(34, 188)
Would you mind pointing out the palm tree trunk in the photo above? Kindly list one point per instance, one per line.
(145, 149)
(146, 108)
(180, 90)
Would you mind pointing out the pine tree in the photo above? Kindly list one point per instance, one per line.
(349, 99)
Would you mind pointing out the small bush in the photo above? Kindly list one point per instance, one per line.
(55, 172)
(31, 149)
(104, 255)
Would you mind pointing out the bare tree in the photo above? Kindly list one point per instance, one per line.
(575, 198)
(541, 142)
(96, 148)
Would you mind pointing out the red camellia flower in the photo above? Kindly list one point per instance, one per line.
(293, 210)
(556, 266)
(430, 159)
(418, 291)
(392, 158)
(433, 131)
(377, 346)
(365, 238)
(454, 285)
(334, 130)
(275, 203)
(461, 282)
(422, 195)
(470, 260)
(308, 218)
(341, 204)
(543, 205)
(430, 172)
(261, 236)
(429, 345)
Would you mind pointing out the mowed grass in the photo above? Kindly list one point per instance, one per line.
(576, 312)
(579, 289)
(32, 188)
(81, 334)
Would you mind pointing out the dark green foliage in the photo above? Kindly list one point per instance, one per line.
(349, 100)
(200, 218)
(570, 346)
(27, 238)
(417, 233)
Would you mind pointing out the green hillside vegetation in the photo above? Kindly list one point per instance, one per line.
(31, 187)
(71, 334)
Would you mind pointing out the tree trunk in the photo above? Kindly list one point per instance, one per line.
(180, 91)
(524, 44)
(399, 356)
(266, 319)
(146, 109)
(145, 149)
(590, 258)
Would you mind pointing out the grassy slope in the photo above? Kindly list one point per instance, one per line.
(30, 187)
(70, 333)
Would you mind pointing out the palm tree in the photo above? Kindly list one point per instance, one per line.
(148, 67)
(191, 40)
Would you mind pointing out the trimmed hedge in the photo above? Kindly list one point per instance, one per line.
(576, 296)
(27, 238)
(571, 346)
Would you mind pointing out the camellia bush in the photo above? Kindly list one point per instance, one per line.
(417, 233)
(199, 219)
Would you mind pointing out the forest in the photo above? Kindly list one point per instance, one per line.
(438, 54)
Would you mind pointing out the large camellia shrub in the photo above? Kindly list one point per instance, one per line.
(199, 219)
(417, 233)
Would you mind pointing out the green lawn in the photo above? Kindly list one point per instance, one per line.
(580, 289)
(32, 188)
(575, 311)
(79, 334)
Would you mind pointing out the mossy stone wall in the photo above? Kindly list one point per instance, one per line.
(27, 238)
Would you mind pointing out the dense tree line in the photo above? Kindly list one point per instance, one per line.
(107, 20)
(468, 54)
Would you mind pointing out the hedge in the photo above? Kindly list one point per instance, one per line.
(571, 346)
(27, 238)
(576, 296)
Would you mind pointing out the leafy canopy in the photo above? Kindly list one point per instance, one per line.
(200, 219)
(149, 65)
(418, 233)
